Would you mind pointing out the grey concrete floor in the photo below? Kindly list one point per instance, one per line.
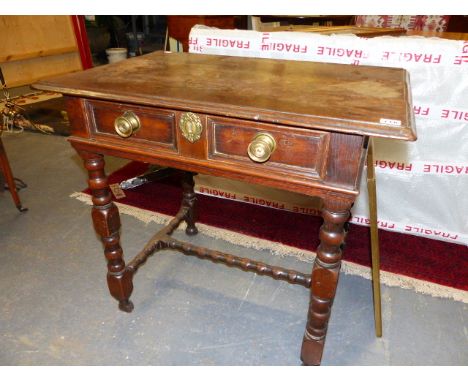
(55, 308)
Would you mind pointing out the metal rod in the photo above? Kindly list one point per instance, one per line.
(375, 253)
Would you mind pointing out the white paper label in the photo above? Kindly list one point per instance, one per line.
(391, 122)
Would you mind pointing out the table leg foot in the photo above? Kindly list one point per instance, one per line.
(126, 306)
(191, 231)
(311, 352)
(21, 208)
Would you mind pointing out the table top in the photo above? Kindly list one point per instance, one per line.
(364, 100)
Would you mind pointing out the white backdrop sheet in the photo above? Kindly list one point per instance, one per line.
(422, 186)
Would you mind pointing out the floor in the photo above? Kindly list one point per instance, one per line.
(55, 308)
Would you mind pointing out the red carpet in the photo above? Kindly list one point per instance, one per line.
(432, 261)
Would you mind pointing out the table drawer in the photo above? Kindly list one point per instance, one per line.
(296, 150)
(155, 126)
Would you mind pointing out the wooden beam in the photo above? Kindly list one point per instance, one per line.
(37, 53)
(25, 72)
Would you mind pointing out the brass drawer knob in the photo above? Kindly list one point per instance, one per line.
(261, 148)
(126, 124)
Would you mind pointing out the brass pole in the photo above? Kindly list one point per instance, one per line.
(375, 254)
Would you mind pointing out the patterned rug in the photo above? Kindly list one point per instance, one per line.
(41, 111)
(426, 266)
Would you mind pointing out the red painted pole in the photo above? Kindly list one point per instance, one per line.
(82, 41)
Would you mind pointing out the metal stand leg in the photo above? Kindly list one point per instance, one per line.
(371, 187)
(10, 180)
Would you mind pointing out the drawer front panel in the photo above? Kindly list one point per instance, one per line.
(156, 125)
(297, 150)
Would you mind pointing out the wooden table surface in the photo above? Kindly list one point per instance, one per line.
(348, 98)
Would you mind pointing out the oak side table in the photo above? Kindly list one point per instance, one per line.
(294, 125)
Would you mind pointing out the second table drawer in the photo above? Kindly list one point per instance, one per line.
(296, 150)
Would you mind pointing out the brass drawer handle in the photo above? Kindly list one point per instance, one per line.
(261, 148)
(126, 124)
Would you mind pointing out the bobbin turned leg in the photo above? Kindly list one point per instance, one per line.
(189, 200)
(106, 220)
(325, 274)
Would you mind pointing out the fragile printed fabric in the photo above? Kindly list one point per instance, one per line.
(422, 185)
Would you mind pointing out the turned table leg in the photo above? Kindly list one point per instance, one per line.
(189, 200)
(325, 274)
(106, 220)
